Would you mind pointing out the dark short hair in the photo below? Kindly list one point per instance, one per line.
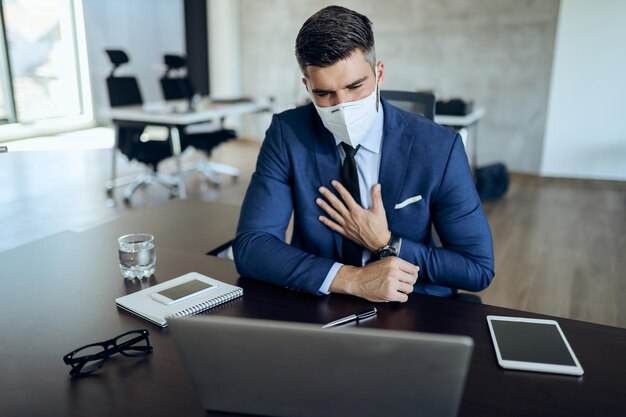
(333, 34)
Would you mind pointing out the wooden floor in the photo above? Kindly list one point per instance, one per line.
(560, 244)
(560, 249)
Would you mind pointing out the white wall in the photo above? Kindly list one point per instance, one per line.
(145, 29)
(586, 126)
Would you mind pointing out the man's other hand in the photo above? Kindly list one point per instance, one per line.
(390, 279)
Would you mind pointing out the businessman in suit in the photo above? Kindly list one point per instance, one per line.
(365, 181)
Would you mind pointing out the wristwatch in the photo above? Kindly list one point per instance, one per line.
(390, 249)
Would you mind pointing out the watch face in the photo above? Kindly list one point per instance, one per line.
(385, 253)
(391, 249)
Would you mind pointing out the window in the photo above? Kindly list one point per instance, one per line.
(40, 62)
(4, 117)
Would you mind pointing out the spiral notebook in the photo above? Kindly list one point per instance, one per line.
(143, 304)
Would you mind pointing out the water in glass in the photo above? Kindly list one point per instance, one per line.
(137, 255)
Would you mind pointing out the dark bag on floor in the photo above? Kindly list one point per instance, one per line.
(492, 181)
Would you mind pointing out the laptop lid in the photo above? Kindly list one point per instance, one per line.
(301, 370)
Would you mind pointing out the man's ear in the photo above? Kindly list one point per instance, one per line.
(380, 67)
(306, 84)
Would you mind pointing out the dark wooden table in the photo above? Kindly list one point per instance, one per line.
(58, 293)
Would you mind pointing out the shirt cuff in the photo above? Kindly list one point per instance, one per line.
(325, 288)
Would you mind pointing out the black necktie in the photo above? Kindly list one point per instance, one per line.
(351, 253)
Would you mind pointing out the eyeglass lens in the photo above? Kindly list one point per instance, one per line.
(133, 344)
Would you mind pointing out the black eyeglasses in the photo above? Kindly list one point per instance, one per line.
(90, 358)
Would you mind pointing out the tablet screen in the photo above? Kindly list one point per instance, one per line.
(531, 342)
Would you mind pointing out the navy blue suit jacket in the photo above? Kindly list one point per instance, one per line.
(419, 158)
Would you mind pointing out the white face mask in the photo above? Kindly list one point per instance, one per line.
(350, 122)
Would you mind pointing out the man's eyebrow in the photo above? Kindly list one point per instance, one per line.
(320, 91)
(351, 85)
(357, 82)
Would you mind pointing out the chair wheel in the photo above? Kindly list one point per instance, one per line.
(109, 192)
(127, 201)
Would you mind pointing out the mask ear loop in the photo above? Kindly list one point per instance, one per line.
(377, 97)
(377, 89)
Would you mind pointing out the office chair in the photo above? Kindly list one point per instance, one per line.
(413, 102)
(124, 91)
(176, 85)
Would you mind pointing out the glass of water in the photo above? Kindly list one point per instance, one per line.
(137, 255)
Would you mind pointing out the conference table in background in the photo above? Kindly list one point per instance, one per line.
(58, 293)
(176, 117)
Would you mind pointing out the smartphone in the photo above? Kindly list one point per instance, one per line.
(182, 292)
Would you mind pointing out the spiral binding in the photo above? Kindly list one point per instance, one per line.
(199, 308)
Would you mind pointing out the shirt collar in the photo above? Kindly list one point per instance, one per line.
(374, 137)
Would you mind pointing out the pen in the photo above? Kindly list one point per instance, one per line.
(351, 318)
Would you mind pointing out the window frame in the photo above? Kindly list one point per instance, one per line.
(12, 128)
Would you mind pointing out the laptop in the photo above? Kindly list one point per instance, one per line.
(301, 370)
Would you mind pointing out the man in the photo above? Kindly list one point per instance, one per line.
(365, 182)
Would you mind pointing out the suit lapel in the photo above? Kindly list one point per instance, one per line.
(396, 151)
(327, 162)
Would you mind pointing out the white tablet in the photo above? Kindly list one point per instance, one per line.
(532, 345)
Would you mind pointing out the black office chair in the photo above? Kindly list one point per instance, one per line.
(124, 91)
(176, 85)
(413, 102)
